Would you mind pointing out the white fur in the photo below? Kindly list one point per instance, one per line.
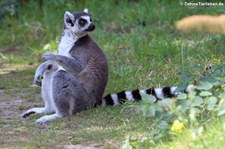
(47, 118)
(36, 110)
(68, 15)
(85, 10)
(88, 19)
(103, 102)
(129, 96)
(46, 92)
(66, 43)
(142, 92)
(159, 93)
(76, 29)
(115, 99)
(172, 89)
(190, 88)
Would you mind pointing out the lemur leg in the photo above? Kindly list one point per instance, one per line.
(69, 95)
(34, 111)
(49, 108)
(47, 118)
(70, 64)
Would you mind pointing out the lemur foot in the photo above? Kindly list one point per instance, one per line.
(34, 111)
(47, 118)
(26, 114)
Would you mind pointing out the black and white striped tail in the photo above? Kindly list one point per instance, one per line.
(135, 95)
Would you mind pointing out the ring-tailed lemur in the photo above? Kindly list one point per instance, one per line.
(81, 78)
(136, 95)
(81, 75)
(43, 77)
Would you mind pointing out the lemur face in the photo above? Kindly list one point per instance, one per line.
(79, 23)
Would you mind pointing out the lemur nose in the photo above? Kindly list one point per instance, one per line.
(91, 27)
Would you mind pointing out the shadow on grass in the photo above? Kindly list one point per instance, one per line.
(105, 126)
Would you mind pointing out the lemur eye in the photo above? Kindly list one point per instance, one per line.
(82, 22)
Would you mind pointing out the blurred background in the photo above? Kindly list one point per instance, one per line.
(137, 35)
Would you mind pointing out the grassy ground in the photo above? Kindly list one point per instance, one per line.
(144, 49)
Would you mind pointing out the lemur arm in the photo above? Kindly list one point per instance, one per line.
(39, 73)
(70, 64)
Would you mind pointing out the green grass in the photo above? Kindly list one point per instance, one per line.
(139, 57)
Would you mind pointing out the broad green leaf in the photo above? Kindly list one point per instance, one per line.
(205, 93)
(152, 110)
(184, 105)
(211, 102)
(204, 86)
(222, 112)
(197, 101)
(148, 99)
(222, 95)
(188, 78)
(193, 113)
(208, 79)
(182, 96)
(192, 95)
(181, 87)
(163, 102)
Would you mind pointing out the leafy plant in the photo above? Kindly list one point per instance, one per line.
(188, 112)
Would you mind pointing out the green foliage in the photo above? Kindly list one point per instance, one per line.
(8, 7)
(198, 73)
(188, 112)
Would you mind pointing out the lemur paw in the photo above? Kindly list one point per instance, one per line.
(47, 118)
(41, 120)
(49, 56)
(34, 111)
(26, 114)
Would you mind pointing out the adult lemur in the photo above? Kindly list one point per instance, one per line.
(81, 78)
(75, 78)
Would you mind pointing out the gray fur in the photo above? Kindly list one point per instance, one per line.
(43, 75)
(80, 81)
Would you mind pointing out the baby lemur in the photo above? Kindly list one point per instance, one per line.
(43, 77)
(82, 71)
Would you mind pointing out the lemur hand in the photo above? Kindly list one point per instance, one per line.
(49, 56)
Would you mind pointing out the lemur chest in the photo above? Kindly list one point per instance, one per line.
(65, 45)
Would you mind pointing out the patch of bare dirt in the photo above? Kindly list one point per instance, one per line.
(9, 108)
(85, 145)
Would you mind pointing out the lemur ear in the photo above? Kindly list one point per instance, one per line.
(85, 10)
(49, 67)
(68, 19)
